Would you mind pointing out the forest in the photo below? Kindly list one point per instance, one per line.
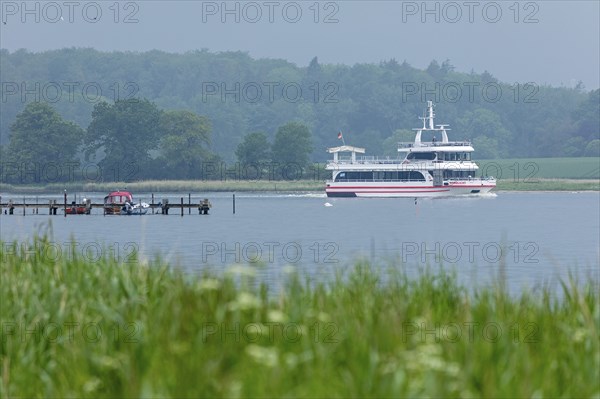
(216, 106)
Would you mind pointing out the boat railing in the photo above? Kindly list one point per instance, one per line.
(434, 144)
(470, 178)
(366, 160)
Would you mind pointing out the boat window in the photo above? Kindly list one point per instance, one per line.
(462, 156)
(416, 176)
(390, 175)
(458, 174)
(427, 156)
(403, 176)
(349, 176)
(341, 176)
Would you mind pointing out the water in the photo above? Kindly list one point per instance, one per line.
(533, 237)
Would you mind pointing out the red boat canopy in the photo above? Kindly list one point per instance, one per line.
(118, 197)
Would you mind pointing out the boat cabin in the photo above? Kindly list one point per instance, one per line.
(118, 197)
(115, 201)
(345, 149)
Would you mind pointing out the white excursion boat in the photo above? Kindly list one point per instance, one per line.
(422, 169)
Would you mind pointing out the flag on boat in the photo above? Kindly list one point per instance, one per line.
(339, 135)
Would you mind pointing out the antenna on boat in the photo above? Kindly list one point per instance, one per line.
(423, 118)
(430, 114)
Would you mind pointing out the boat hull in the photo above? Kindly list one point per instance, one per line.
(112, 209)
(80, 210)
(390, 190)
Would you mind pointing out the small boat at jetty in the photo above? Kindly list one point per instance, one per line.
(121, 203)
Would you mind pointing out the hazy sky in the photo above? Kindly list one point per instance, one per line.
(546, 42)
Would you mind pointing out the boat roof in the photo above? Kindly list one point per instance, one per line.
(451, 146)
(346, 148)
(119, 194)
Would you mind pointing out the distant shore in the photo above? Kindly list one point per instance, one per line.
(195, 186)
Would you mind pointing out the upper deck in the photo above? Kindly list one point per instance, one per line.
(434, 144)
(439, 151)
(365, 160)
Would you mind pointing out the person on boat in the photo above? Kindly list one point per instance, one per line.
(126, 207)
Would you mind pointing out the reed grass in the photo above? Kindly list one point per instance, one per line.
(183, 186)
(72, 327)
(549, 185)
(204, 186)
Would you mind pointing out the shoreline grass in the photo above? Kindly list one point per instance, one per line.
(194, 186)
(76, 328)
(549, 185)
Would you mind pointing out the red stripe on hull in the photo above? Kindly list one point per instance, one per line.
(382, 187)
(470, 186)
(403, 188)
(398, 191)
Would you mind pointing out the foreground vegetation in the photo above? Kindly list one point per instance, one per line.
(72, 327)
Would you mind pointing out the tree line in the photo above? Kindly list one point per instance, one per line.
(134, 139)
(235, 96)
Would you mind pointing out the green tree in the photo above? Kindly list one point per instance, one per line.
(292, 145)
(390, 145)
(434, 69)
(485, 147)
(587, 116)
(125, 132)
(488, 124)
(574, 147)
(184, 143)
(43, 141)
(592, 149)
(530, 120)
(254, 149)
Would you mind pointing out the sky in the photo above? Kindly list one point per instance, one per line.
(544, 42)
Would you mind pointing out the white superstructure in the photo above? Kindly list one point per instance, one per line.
(423, 169)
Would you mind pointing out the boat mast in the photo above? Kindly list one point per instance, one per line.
(428, 125)
(430, 114)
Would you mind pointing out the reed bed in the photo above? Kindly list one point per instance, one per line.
(73, 327)
(205, 186)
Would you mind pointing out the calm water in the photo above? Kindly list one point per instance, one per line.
(537, 236)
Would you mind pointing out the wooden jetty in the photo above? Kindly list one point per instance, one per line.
(54, 206)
